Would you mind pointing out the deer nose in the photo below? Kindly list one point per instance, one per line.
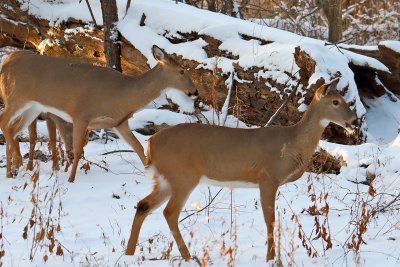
(195, 94)
(356, 123)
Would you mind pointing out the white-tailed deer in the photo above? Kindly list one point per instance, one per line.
(182, 156)
(82, 94)
(51, 121)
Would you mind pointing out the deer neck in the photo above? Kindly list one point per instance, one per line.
(309, 129)
(141, 90)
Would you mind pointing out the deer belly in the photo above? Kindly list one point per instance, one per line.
(103, 122)
(230, 184)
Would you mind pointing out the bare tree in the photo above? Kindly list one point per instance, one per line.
(333, 12)
(112, 47)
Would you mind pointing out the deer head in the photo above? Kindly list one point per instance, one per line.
(175, 76)
(333, 107)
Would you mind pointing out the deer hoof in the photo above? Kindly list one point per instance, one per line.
(14, 172)
(29, 167)
(56, 167)
(271, 255)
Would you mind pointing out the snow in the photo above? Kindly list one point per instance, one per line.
(394, 45)
(276, 58)
(359, 47)
(96, 212)
(383, 119)
(180, 98)
(361, 60)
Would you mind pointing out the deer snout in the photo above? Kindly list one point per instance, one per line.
(355, 123)
(193, 95)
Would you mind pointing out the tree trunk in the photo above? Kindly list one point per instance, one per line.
(230, 7)
(333, 12)
(211, 5)
(335, 21)
(112, 47)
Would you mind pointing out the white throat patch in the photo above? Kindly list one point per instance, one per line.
(324, 122)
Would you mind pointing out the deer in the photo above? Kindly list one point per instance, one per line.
(182, 156)
(81, 94)
(65, 129)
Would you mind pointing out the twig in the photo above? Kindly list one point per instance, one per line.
(283, 105)
(94, 163)
(117, 151)
(172, 259)
(91, 12)
(387, 205)
(200, 116)
(225, 107)
(128, 4)
(115, 264)
(197, 212)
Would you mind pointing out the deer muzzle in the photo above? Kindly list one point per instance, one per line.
(194, 95)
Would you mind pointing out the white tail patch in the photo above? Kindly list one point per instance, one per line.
(19, 112)
(150, 171)
(36, 107)
(324, 122)
(152, 174)
(33, 109)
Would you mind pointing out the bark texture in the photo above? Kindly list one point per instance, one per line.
(112, 47)
(333, 11)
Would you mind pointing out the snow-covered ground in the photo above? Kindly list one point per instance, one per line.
(94, 214)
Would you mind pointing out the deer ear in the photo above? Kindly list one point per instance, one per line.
(332, 85)
(326, 88)
(159, 54)
(321, 91)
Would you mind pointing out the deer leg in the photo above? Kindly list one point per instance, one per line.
(10, 152)
(51, 128)
(66, 131)
(8, 164)
(17, 155)
(32, 143)
(11, 125)
(8, 149)
(144, 207)
(267, 197)
(15, 160)
(125, 133)
(171, 214)
(79, 134)
(22, 122)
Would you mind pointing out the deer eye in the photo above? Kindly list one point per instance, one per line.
(335, 102)
(182, 72)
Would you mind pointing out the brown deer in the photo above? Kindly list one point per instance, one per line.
(82, 94)
(182, 156)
